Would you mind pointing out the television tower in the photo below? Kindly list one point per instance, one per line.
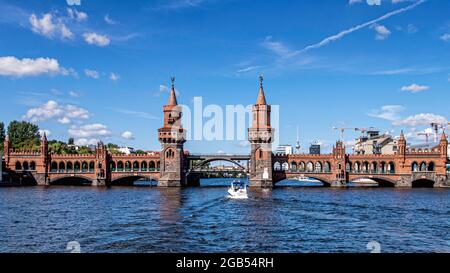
(297, 146)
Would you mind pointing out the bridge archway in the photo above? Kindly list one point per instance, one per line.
(423, 183)
(130, 180)
(382, 182)
(205, 162)
(293, 181)
(71, 181)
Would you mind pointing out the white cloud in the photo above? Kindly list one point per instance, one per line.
(109, 20)
(278, 48)
(76, 15)
(346, 32)
(445, 37)
(164, 89)
(92, 74)
(86, 142)
(52, 110)
(415, 88)
(114, 77)
(47, 132)
(73, 2)
(381, 32)
(73, 94)
(49, 26)
(388, 112)
(11, 66)
(96, 39)
(424, 119)
(351, 2)
(127, 135)
(248, 69)
(89, 131)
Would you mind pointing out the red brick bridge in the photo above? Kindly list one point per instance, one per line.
(174, 167)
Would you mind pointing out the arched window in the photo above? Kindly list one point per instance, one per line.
(285, 166)
(302, 167)
(18, 166)
(170, 153)
(357, 167)
(69, 167)
(391, 167)
(54, 167)
(415, 167)
(127, 166)
(294, 166)
(374, 168)
(92, 166)
(431, 167)
(158, 166)
(152, 166)
(327, 167)
(25, 166)
(309, 167)
(277, 166)
(112, 166)
(77, 167)
(62, 167)
(120, 166)
(135, 166)
(423, 167)
(366, 167)
(318, 167)
(348, 167)
(33, 166)
(84, 167)
(383, 167)
(144, 166)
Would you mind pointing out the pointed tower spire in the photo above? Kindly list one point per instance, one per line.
(44, 137)
(173, 95)
(402, 135)
(443, 136)
(261, 97)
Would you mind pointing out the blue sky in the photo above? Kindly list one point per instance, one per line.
(100, 70)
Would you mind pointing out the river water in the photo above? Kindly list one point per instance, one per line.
(287, 219)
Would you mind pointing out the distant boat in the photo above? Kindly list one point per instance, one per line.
(364, 182)
(308, 180)
(238, 190)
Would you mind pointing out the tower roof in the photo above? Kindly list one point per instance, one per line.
(402, 136)
(173, 95)
(44, 137)
(443, 137)
(261, 97)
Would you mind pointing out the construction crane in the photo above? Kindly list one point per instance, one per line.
(436, 126)
(342, 131)
(427, 135)
(364, 130)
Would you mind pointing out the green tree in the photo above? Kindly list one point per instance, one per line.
(71, 141)
(2, 135)
(24, 135)
(140, 152)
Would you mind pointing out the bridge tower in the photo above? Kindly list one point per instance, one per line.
(260, 135)
(339, 165)
(101, 158)
(172, 137)
(42, 165)
(7, 149)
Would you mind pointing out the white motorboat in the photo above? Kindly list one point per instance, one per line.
(238, 190)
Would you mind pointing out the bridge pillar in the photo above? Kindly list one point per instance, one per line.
(260, 135)
(172, 137)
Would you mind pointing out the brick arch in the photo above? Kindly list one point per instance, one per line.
(326, 182)
(70, 179)
(382, 181)
(128, 180)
